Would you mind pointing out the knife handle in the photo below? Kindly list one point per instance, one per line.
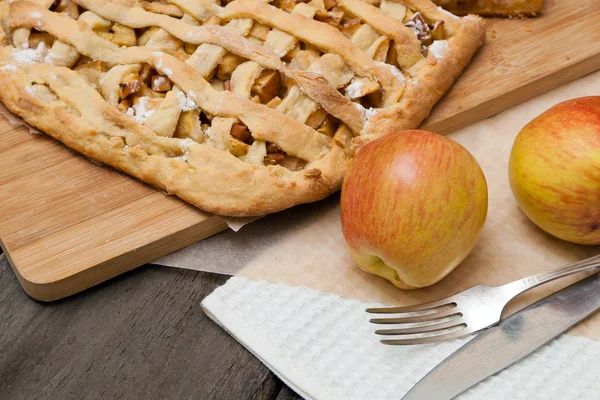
(515, 288)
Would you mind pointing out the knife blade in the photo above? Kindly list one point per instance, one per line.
(510, 341)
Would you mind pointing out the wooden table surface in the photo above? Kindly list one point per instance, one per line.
(140, 335)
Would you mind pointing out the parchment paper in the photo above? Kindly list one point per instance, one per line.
(310, 250)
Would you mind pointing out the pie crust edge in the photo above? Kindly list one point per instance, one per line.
(220, 187)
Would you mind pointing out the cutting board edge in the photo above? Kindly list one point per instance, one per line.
(52, 290)
(537, 87)
(483, 108)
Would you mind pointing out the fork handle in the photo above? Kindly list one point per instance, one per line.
(522, 285)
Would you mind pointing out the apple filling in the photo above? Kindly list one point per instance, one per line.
(150, 96)
(326, 78)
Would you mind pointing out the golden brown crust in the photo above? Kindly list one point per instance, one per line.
(432, 83)
(203, 170)
(493, 8)
(131, 147)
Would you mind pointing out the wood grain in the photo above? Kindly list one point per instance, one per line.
(140, 336)
(287, 394)
(521, 59)
(68, 224)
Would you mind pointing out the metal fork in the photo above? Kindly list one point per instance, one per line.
(467, 312)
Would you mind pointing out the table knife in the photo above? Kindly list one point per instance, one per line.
(510, 341)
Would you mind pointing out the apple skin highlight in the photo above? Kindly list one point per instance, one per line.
(412, 207)
(554, 170)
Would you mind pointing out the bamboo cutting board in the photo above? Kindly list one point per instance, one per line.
(67, 224)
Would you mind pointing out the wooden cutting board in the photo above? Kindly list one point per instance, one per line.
(67, 224)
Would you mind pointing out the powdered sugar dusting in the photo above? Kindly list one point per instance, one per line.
(28, 56)
(418, 25)
(30, 90)
(159, 65)
(360, 108)
(367, 114)
(52, 57)
(186, 143)
(140, 110)
(370, 112)
(8, 68)
(439, 49)
(395, 71)
(354, 89)
(185, 103)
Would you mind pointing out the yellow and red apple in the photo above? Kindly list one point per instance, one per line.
(554, 170)
(412, 207)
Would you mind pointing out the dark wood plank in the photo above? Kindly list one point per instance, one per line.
(287, 394)
(141, 335)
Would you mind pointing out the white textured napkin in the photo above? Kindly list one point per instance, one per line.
(323, 347)
(314, 332)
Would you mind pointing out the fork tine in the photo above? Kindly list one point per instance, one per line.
(416, 307)
(419, 318)
(428, 339)
(421, 329)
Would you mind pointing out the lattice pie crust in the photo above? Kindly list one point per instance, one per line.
(243, 108)
(501, 8)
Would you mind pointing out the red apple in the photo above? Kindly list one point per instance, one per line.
(413, 204)
(554, 170)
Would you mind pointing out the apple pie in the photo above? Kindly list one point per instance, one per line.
(493, 8)
(241, 108)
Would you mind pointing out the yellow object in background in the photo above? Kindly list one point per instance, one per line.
(554, 170)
